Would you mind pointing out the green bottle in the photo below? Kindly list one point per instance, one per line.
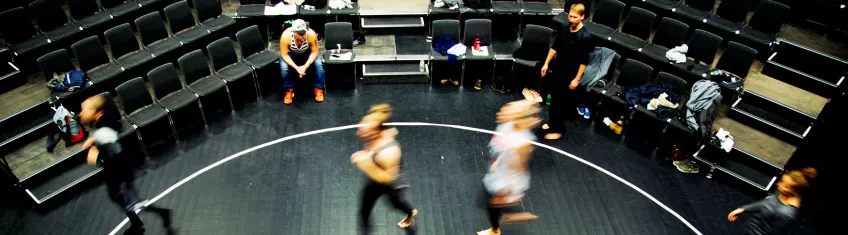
(548, 100)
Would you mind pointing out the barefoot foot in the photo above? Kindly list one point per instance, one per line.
(518, 217)
(406, 222)
(545, 127)
(553, 136)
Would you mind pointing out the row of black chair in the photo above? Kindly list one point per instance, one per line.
(256, 8)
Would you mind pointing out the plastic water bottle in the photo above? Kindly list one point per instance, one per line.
(477, 43)
(421, 66)
(548, 100)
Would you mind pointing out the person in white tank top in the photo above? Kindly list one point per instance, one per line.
(299, 54)
(509, 177)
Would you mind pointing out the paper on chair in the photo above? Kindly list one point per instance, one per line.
(341, 56)
(484, 51)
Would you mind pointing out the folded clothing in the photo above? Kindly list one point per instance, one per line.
(677, 54)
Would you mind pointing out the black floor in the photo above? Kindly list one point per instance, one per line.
(307, 186)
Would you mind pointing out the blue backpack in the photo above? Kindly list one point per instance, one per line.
(71, 81)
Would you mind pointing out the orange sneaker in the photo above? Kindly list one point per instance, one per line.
(289, 97)
(319, 95)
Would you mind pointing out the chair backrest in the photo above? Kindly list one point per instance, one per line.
(82, 8)
(338, 33)
(164, 80)
(613, 68)
(445, 28)
(151, 28)
(49, 14)
(133, 95)
(251, 41)
(252, 2)
(194, 66)
(609, 13)
(639, 23)
(179, 16)
(634, 73)
(676, 82)
(110, 110)
(222, 53)
(704, 5)
(475, 28)
(703, 46)
(734, 10)
(737, 59)
(90, 53)
(121, 40)
(670, 33)
(207, 9)
(111, 3)
(769, 16)
(16, 33)
(536, 43)
(55, 62)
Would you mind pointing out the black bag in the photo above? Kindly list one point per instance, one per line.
(318, 4)
(478, 4)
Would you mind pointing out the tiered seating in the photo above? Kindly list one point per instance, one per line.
(45, 174)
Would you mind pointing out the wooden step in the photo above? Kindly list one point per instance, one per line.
(68, 178)
(32, 158)
(806, 68)
(740, 166)
(375, 22)
(772, 117)
(24, 120)
(757, 143)
(394, 69)
(10, 76)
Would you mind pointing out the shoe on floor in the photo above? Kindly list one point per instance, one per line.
(319, 95)
(289, 97)
(553, 136)
(478, 86)
(615, 128)
(685, 166)
(586, 113)
(527, 94)
(581, 111)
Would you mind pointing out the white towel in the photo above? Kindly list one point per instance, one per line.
(677, 54)
(726, 139)
(457, 50)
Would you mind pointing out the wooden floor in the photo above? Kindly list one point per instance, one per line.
(753, 141)
(21, 98)
(34, 157)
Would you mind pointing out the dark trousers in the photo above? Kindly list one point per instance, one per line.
(370, 194)
(495, 212)
(563, 100)
(121, 190)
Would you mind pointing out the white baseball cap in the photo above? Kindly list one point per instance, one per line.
(299, 26)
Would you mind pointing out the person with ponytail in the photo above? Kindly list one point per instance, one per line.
(773, 213)
(380, 161)
(508, 176)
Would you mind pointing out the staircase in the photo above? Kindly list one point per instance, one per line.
(396, 48)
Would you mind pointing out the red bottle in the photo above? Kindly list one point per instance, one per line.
(477, 43)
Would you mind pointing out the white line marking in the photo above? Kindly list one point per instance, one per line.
(231, 157)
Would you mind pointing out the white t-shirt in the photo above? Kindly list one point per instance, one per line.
(504, 147)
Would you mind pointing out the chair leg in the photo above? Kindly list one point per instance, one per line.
(202, 114)
(230, 98)
(256, 83)
(141, 141)
(173, 129)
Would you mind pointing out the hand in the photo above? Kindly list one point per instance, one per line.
(732, 216)
(301, 70)
(544, 69)
(91, 159)
(573, 84)
(359, 156)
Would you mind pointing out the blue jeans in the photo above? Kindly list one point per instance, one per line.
(289, 73)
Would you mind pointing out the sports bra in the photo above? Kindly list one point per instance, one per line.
(293, 46)
(381, 148)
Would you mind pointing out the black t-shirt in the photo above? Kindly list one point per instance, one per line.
(769, 216)
(106, 140)
(572, 50)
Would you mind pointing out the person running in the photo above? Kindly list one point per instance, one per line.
(571, 48)
(773, 213)
(104, 148)
(508, 177)
(380, 161)
(299, 51)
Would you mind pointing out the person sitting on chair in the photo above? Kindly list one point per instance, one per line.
(299, 51)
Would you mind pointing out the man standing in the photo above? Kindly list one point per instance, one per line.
(116, 165)
(573, 44)
(298, 53)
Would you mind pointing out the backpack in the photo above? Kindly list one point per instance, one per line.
(478, 4)
(68, 82)
(69, 126)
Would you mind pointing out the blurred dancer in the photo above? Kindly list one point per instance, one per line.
(117, 167)
(773, 213)
(380, 161)
(508, 177)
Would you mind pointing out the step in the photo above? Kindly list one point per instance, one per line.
(806, 68)
(757, 143)
(772, 117)
(394, 69)
(31, 158)
(75, 175)
(24, 120)
(376, 22)
(739, 165)
(10, 76)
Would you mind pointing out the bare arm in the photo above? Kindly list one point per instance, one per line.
(551, 54)
(389, 158)
(285, 42)
(312, 39)
(93, 152)
(580, 73)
